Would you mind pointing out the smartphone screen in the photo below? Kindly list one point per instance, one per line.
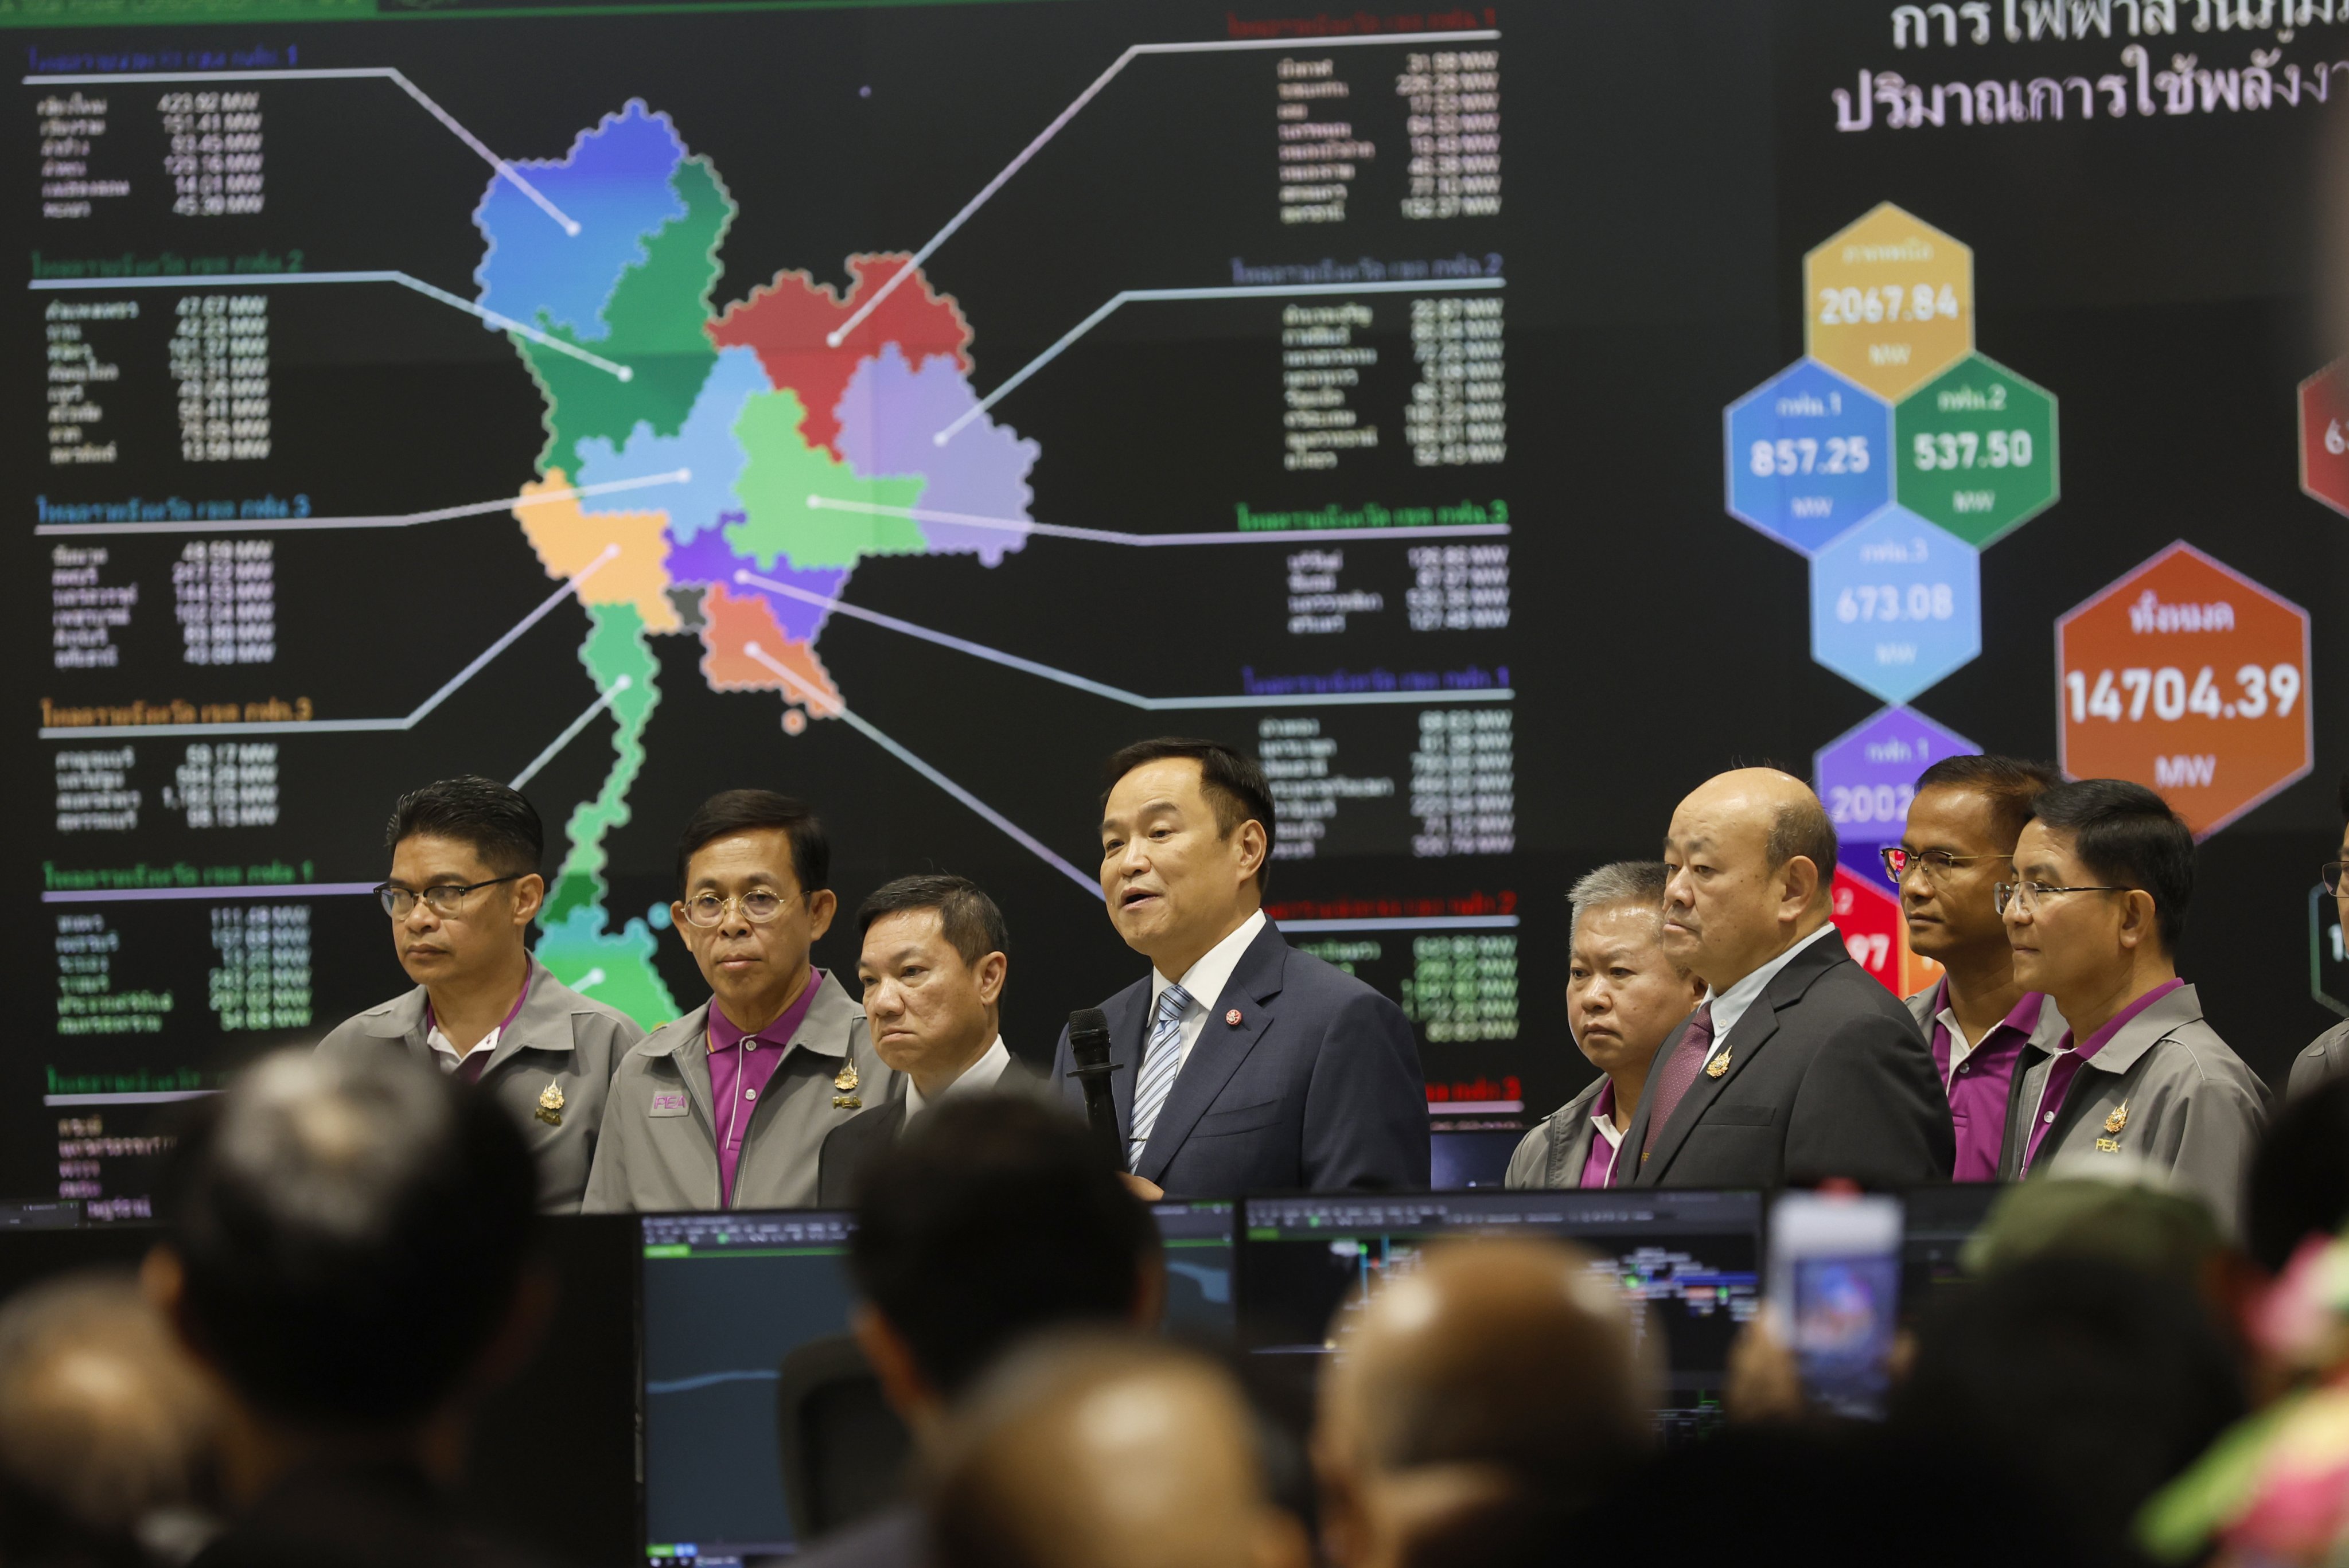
(1835, 1290)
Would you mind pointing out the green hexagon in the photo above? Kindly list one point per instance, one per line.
(1974, 449)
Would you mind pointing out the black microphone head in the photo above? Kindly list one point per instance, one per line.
(1089, 1034)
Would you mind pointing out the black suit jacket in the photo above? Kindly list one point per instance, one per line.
(849, 1147)
(1827, 1076)
(1316, 1087)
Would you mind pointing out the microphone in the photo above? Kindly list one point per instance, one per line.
(1089, 1044)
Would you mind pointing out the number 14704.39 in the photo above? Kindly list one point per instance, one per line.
(2166, 691)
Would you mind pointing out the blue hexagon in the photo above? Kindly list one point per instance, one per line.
(1810, 456)
(1868, 775)
(1896, 604)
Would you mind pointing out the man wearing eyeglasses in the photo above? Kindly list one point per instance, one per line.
(2103, 873)
(1957, 846)
(2327, 1056)
(463, 890)
(728, 1108)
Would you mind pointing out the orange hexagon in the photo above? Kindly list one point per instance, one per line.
(2324, 437)
(1888, 302)
(2189, 678)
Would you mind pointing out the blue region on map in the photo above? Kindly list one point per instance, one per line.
(614, 184)
(705, 447)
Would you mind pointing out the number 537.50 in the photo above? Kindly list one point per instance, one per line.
(2167, 692)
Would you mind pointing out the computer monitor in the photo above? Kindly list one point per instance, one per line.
(1473, 1157)
(1939, 1222)
(1689, 1262)
(728, 1296)
(1197, 1239)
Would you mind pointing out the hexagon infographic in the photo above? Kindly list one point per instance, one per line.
(2324, 437)
(1888, 302)
(1809, 455)
(2189, 678)
(1896, 604)
(1869, 920)
(1867, 776)
(1975, 450)
(2328, 959)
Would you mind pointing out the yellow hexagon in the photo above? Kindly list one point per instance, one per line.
(1890, 302)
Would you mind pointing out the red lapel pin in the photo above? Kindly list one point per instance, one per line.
(1233, 1018)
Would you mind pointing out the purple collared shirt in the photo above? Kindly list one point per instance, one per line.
(1599, 1167)
(2067, 1065)
(740, 1068)
(1978, 1089)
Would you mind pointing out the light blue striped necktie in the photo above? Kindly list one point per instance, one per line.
(1160, 1064)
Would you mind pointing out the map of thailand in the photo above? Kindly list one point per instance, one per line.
(780, 460)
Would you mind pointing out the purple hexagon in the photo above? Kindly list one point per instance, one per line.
(1866, 775)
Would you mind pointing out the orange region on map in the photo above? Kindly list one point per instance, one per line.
(567, 539)
(786, 323)
(730, 625)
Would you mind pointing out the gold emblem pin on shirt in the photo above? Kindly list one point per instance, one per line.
(550, 1104)
(1718, 1066)
(846, 1102)
(845, 1080)
(2120, 1118)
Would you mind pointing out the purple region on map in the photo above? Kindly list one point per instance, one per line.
(889, 417)
(707, 559)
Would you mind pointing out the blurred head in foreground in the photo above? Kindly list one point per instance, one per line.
(104, 1424)
(1475, 1405)
(1078, 1452)
(347, 1250)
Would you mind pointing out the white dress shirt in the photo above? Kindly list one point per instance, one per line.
(980, 1075)
(1730, 1006)
(448, 1058)
(1203, 982)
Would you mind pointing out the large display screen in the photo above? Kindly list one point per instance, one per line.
(1496, 417)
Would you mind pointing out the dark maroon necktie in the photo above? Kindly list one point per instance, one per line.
(1679, 1072)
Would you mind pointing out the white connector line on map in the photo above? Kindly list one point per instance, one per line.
(1238, 291)
(251, 280)
(839, 335)
(570, 734)
(593, 978)
(388, 519)
(340, 726)
(346, 73)
(826, 703)
(1098, 688)
(1111, 536)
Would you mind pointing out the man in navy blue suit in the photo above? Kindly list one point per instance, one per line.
(1245, 1066)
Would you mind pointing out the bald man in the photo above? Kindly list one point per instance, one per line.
(1479, 1404)
(1095, 1451)
(1797, 1067)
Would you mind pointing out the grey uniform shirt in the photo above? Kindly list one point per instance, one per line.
(2326, 1058)
(1553, 1153)
(551, 1069)
(2165, 1089)
(660, 1148)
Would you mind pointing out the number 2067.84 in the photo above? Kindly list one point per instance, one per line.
(2129, 694)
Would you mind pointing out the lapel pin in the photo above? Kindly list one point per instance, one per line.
(845, 1080)
(1233, 1018)
(550, 1104)
(2120, 1118)
(1718, 1066)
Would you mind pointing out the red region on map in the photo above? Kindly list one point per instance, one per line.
(786, 322)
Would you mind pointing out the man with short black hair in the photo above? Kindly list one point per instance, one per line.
(2327, 1056)
(729, 1107)
(1957, 846)
(1244, 1066)
(993, 1218)
(2103, 873)
(1797, 1067)
(935, 961)
(350, 1251)
(463, 891)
